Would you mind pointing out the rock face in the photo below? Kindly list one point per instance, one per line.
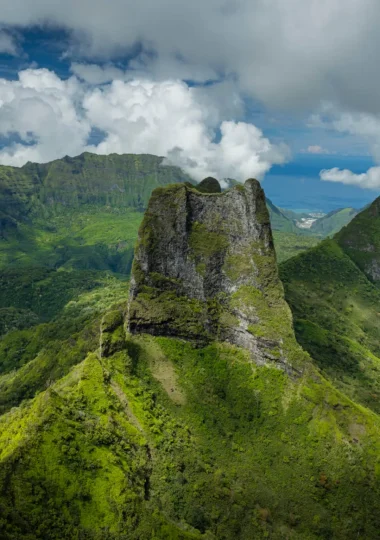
(205, 269)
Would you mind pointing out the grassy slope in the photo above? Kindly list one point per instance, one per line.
(336, 312)
(162, 440)
(279, 221)
(333, 222)
(291, 244)
(360, 239)
(35, 357)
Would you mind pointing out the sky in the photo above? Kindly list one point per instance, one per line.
(286, 92)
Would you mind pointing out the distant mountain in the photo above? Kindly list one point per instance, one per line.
(333, 222)
(81, 212)
(279, 221)
(333, 291)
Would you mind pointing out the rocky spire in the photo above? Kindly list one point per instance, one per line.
(205, 269)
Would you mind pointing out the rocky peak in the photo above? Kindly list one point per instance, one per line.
(205, 269)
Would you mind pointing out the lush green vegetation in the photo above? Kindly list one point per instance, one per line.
(164, 440)
(108, 436)
(35, 357)
(333, 222)
(336, 314)
(280, 221)
(360, 239)
(291, 244)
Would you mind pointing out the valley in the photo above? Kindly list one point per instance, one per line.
(225, 384)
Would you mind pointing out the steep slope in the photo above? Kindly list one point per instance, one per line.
(176, 437)
(205, 267)
(279, 221)
(332, 291)
(333, 222)
(120, 181)
(360, 239)
(289, 245)
(81, 212)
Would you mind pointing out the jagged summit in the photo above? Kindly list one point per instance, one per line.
(205, 269)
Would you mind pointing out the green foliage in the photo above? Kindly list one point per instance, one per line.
(336, 312)
(289, 245)
(108, 436)
(32, 359)
(360, 239)
(107, 453)
(205, 243)
(279, 220)
(333, 222)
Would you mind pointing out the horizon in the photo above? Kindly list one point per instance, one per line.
(69, 85)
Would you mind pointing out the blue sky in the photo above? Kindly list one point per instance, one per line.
(90, 75)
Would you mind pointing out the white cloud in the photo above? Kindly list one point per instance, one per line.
(54, 117)
(365, 127)
(94, 74)
(42, 110)
(288, 54)
(316, 149)
(168, 119)
(369, 179)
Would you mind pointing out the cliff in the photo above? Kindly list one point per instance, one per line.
(205, 270)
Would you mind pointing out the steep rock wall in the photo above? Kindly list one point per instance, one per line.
(205, 269)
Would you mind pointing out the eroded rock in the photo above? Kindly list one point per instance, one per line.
(205, 269)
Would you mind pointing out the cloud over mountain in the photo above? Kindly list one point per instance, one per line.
(45, 117)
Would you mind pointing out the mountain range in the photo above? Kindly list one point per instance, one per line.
(214, 395)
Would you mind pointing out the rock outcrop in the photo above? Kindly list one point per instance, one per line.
(205, 269)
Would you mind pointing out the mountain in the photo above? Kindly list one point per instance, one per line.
(333, 291)
(361, 241)
(333, 222)
(81, 212)
(205, 269)
(188, 410)
(278, 219)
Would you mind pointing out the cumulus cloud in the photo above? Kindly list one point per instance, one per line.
(287, 54)
(168, 119)
(53, 117)
(369, 179)
(41, 109)
(364, 126)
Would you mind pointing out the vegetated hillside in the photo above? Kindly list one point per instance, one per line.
(333, 222)
(140, 436)
(334, 295)
(291, 244)
(279, 221)
(360, 239)
(81, 212)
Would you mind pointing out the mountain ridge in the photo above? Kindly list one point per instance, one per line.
(131, 436)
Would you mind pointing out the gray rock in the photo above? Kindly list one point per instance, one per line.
(205, 270)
